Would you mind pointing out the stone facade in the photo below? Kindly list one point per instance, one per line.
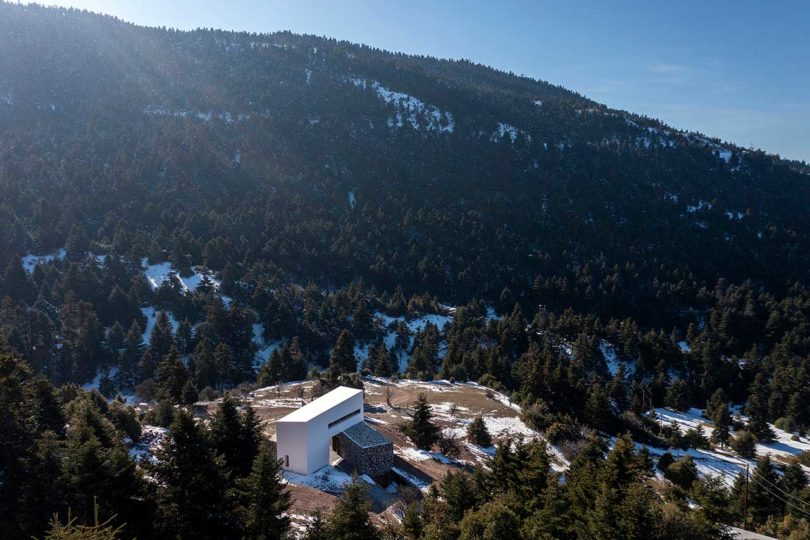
(365, 449)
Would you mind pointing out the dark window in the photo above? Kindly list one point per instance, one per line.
(342, 418)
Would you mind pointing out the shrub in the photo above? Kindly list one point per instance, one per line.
(745, 444)
(665, 461)
(477, 432)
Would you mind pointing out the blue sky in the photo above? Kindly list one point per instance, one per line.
(738, 70)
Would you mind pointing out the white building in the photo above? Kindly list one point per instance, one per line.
(304, 437)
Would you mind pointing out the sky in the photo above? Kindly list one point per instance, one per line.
(734, 69)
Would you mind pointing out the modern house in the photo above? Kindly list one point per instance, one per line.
(334, 420)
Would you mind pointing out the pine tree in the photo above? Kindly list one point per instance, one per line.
(130, 357)
(235, 436)
(381, 361)
(493, 521)
(265, 500)
(171, 377)
(678, 396)
(205, 373)
(316, 527)
(412, 525)
(342, 360)
(184, 337)
(161, 340)
(721, 416)
(764, 484)
(191, 500)
(478, 433)
(295, 367)
(270, 371)
(459, 493)
(757, 409)
(350, 519)
(225, 364)
(421, 429)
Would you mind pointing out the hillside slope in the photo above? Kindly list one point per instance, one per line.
(279, 152)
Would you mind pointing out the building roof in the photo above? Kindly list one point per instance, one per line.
(365, 436)
(324, 403)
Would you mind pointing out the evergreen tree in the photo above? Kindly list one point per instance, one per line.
(763, 488)
(234, 436)
(224, 365)
(316, 527)
(412, 522)
(493, 521)
(161, 339)
(721, 416)
(342, 360)
(757, 409)
(135, 362)
(265, 499)
(191, 500)
(478, 433)
(270, 372)
(184, 337)
(421, 429)
(171, 377)
(205, 371)
(678, 396)
(350, 519)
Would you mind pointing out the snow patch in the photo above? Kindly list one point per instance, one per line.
(410, 109)
(411, 479)
(30, 261)
(156, 274)
(510, 130)
(151, 315)
(701, 205)
(327, 479)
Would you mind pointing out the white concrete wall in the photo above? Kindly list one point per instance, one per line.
(307, 443)
(291, 442)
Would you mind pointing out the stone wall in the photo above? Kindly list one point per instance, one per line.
(372, 461)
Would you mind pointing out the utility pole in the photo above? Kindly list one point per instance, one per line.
(745, 499)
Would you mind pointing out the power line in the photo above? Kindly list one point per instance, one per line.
(783, 491)
(759, 478)
(788, 503)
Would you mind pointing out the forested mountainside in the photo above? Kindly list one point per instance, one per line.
(186, 212)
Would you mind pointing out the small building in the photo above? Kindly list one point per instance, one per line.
(365, 449)
(335, 420)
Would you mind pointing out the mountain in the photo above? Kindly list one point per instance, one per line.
(190, 219)
(312, 159)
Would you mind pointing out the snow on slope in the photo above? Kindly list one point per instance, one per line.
(722, 462)
(151, 315)
(410, 109)
(510, 130)
(156, 274)
(30, 261)
(265, 348)
(327, 479)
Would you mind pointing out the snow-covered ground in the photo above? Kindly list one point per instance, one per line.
(414, 325)
(455, 418)
(723, 462)
(613, 361)
(151, 439)
(30, 261)
(151, 315)
(156, 274)
(410, 109)
(411, 479)
(266, 348)
(327, 479)
(511, 131)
